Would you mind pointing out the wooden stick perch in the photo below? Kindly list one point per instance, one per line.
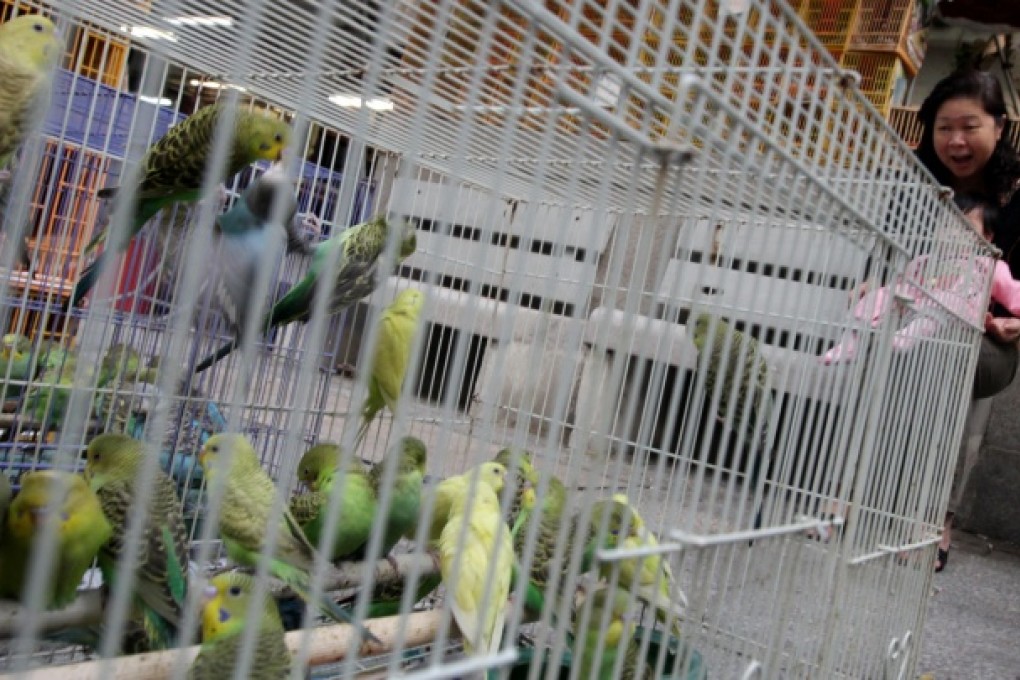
(87, 609)
(328, 644)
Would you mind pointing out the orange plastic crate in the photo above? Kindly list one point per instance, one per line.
(879, 71)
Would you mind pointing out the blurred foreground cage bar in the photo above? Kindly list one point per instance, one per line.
(636, 231)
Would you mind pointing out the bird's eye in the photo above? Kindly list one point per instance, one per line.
(278, 137)
(235, 591)
(214, 448)
(38, 27)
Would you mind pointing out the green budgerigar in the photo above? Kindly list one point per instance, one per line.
(444, 493)
(47, 400)
(29, 48)
(526, 477)
(319, 468)
(651, 577)
(740, 371)
(244, 518)
(358, 249)
(476, 558)
(82, 530)
(552, 513)
(113, 463)
(398, 324)
(226, 612)
(16, 357)
(173, 168)
(405, 500)
(610, 630)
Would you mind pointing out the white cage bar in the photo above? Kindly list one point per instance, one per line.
(586, 179)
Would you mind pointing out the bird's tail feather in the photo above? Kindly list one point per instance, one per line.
(222, 352)
(298, 582)
(87, 279)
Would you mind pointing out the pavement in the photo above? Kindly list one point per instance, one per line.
(972, 631)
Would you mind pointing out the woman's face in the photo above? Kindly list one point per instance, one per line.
(965, 136)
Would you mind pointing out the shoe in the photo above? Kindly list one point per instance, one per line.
(943, 558)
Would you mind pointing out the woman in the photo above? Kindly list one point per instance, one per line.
(964, 144)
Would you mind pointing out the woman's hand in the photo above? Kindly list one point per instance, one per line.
(1002, 328)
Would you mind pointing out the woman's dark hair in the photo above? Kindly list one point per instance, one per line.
(989, 209)
(1003, 168)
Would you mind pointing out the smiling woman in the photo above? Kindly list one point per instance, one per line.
(964, 146)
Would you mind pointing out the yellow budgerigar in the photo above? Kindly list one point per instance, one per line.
(397, 327)
(29, 47)
(493, 474)
(476, 560)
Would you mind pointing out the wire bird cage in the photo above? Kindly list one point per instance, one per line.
(641, 233)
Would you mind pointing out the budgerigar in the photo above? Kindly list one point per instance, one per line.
(29, 48)
(552, 513)
(476, 561)
(82, 529)
(318, 469)
(244, 518)
(46, 401)
(405, 500)
(113, 463)
(651, 577)
(526, 476)
(743, 379)
(617, 614)
(226, 613)
(16, 357)
(398, 324)
(173, 168)
(360, 249)
(249, 243)
(491, 474)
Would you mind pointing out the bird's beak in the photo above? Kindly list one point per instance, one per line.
(38, 516)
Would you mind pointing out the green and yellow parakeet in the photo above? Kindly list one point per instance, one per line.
(16, 357)
(113, 463)
(29, 48)
(226, 612)
(82, 529)
(525, 478)
(610, 631)
(476, 560)
(360, 249)
(318, 469)
(173, 168)
(244, 518)
(651, 577)
(405, 500)
(552, 512)
(444, 493)
(397, 327)
(47, 400)
(741, 373)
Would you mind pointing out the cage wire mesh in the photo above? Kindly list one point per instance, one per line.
(641, 231)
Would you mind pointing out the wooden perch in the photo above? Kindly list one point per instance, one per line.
(87, 609)
(328, 644)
